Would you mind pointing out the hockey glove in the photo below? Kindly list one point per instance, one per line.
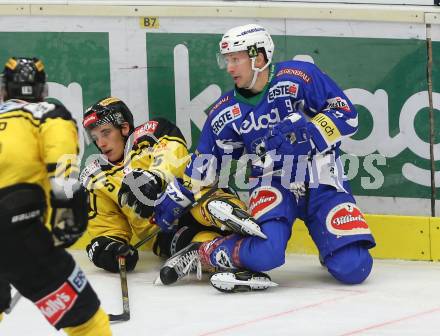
(289, 137)
(172, 205)
(104, 253)
(70, 206)
(139, 191)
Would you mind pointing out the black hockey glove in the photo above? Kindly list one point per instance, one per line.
(139, 191)
(104, 253)
(70, 206)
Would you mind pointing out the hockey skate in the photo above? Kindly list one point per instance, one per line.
(233, 218)
(181, 264)
(241, 281)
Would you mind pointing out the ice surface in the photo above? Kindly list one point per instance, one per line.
(399, 298)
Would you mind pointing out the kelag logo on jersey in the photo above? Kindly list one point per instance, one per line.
(225, 117)
(338, 103)
(262, 122)
(283, 89)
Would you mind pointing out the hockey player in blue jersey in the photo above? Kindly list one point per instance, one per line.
(290, 119)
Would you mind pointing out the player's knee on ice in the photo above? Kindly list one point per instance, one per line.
(262, 254)
(350, 264)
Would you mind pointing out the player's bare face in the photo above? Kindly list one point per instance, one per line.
(109, 140)
(239, 67)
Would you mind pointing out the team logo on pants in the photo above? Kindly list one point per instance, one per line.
(223, 260)
(262, 200)
(346, 219)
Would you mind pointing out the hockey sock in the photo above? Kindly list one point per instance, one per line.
(98, 324)
(222, 252)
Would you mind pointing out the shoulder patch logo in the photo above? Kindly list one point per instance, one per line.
(338, 103)
(147, 128)
(225, 117)
(89, 171)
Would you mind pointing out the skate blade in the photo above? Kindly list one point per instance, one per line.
(255, 232)
(158, 282)
(229, 283)
(223, 212)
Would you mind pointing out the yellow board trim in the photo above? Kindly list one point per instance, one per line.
(397, 237)
(434, 232)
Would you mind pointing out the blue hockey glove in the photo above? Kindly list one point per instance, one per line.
(289, 137)
(172, 205)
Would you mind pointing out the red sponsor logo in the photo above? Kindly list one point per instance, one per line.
(147, 128)
(57, 303)
(236, 111)
(346, 219)
(90, 120)
(224, 45)
(293, 89)
(338, 103)
(263, 200)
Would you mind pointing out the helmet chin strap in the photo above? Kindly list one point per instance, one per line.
(256, 72)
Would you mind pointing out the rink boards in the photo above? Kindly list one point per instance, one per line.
(397, 237)
(161, 61)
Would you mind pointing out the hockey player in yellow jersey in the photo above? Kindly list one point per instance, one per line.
(38, 189)
(126, 179)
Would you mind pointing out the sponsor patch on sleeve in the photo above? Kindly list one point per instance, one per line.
(345, 220)
(56, 304)
(78, 279)
(326, 127)
(145, 129)
(89, 171)
(225, 117)
(338, 103)
(262, 200)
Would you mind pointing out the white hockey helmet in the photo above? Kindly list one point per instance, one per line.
(250, 37)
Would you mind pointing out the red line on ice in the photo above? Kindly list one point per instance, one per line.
(290, 311)
(379, 325)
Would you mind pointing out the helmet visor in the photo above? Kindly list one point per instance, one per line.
(233, 59)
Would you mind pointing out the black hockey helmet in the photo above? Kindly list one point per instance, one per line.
(108, 110)
(24, 78)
